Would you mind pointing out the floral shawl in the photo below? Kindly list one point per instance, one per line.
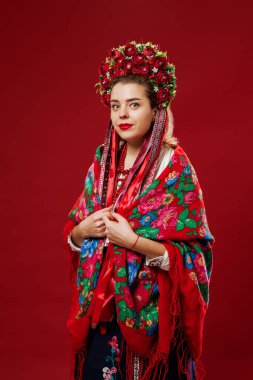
(152, 304)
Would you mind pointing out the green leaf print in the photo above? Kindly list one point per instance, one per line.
(189, 187)
(180, 225)
(150, 187)
(121, 272)
(135, 216)
(147, 232)
(117, 287)
(183, 215)
(190, 223)
(181, 186)
(98, 154)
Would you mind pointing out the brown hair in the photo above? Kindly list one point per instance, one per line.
(169, 139)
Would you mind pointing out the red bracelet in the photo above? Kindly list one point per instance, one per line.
(135, 242)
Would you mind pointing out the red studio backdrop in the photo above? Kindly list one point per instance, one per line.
(51, 123)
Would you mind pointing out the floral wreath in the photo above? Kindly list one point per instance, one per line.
(137, 58)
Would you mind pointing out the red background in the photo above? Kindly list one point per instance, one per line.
(52, 121)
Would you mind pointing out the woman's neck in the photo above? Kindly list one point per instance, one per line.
(133, 148)
(131, 154)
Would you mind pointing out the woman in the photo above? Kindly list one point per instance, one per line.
(138, 238)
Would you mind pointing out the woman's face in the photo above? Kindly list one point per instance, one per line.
(130, 105)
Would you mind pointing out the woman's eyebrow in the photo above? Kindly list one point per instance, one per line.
(128, 100)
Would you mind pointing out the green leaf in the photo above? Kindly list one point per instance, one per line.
(122, 315)
(180, 195)
(189, 187)
(135, 216)
(190, 223)
(147, 232)
(117, 287)
(180, 225)
(122, 304)
(154, 184)
(184, 214)
(121, 272)
(181, 186)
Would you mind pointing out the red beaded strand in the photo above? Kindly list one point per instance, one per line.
(121, 173)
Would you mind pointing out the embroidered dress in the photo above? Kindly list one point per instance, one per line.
(106, 357)
(159, 312)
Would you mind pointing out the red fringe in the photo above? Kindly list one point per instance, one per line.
(157, 365)
(76, 371)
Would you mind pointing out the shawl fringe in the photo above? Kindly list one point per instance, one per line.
(77, 363)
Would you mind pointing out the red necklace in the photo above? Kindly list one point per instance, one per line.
(121, 173)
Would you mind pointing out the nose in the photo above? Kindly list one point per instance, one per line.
(123, 112)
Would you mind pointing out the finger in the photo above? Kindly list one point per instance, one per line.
(100, 223)
(107, 208)
(105, 218)
(116, 216)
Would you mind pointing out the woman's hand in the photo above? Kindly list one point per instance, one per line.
(119, 231)
(92, 226)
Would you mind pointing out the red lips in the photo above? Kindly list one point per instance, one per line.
(125, 126)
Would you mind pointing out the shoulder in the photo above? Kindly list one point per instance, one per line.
(166, 152)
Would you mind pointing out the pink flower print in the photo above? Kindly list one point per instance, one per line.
(189, 197)
(82, 212)
(128, 297)
(150, 201)
(200, 269)
(106, 373)
(174, 159)
(114, 342)
(141, 299)
(202, 278)
(167, 219)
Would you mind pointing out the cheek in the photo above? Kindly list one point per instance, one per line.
(145, 121)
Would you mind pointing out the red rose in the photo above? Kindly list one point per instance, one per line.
(189, 197)
(106, 99)
(127, 65)
(162, 96)
(130, 50)
(106, 83)
(117, 72)
(114, 54)
(162, 77)
(138, 58)
(119, 61)
(104, 67)
(159, 62)
(142, 69)
(148, 51)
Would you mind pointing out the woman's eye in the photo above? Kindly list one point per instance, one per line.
(134, 105)
(115, 106)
